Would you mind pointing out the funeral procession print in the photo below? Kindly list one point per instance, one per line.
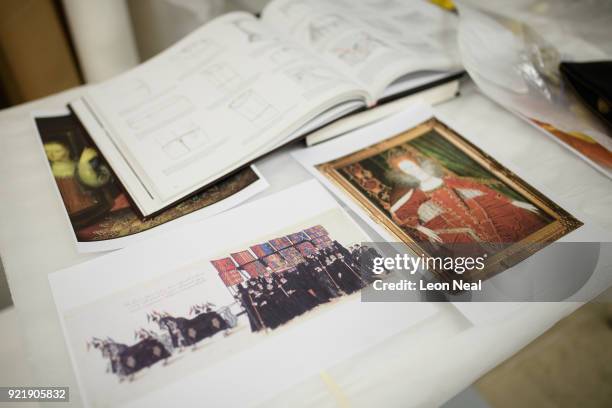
(271, 283)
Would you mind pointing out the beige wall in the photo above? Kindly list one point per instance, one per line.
(160, 23)
(35, 55)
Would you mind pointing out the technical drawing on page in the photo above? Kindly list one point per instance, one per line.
(250, 28)
(254, 108)
(221, 76)
(356, 49)
(309, 77)
(326, 27)
(182, 140)
(158, 113)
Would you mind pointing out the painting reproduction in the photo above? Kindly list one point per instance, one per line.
(99, 210)
(436, 192)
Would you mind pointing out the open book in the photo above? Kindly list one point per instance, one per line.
(241, 86)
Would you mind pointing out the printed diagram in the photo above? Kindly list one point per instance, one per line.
(310, 76)
(253, 107)
(158, 113)
(221, 76)
(356, 49)
(183, 140)
(250, 28)
(286, 55)
(325, 27)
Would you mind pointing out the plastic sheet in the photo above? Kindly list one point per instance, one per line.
(515, 66)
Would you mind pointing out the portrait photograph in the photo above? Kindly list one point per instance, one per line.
(440, 195)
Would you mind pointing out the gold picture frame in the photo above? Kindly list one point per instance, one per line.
(559, 221)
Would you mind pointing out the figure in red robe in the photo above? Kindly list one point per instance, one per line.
(453, 210)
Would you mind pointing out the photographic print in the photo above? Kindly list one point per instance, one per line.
(193, 317)
(438, 193)
(98, 208)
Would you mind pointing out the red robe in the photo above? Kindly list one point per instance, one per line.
(464, 211)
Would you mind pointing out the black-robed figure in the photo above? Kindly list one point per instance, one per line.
(347, 279)
(245, 299)
(277, 298)
(298, 286)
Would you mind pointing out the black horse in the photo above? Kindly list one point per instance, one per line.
(188, 332)
(143, 354)
(126, 361)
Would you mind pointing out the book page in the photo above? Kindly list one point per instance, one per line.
(222, 96)
(373, 42)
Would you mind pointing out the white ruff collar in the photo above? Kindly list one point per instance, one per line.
(431, 183)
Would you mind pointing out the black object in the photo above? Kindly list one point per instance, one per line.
(592, 82)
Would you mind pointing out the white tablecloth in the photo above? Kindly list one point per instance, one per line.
(423, 366)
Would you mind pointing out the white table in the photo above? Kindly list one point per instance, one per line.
(423, 366)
